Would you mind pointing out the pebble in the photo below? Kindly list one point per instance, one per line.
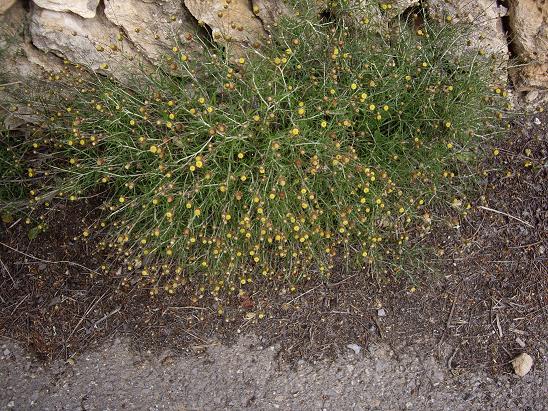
(522, 364)
(354, 347)
(381, 312)
(537, 121)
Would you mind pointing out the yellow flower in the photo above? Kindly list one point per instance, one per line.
(153, 149)
(295, 131)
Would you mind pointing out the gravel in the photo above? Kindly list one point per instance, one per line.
(249, 376)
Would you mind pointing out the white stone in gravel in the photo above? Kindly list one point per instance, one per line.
(354, 347)
(522, 364)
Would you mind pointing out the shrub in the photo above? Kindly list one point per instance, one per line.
(322, 146)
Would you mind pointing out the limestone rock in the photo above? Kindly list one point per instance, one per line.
(84, 8)
(153, 27)
(397, 7)
(533, 76)
(23, 67)
(230, 22)
(269, 11)
(529, 29)
(5, 5)
(522, 364)
(485, 15)
(529, 25)
(95, 43)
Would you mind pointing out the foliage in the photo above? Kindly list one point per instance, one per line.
(324, 146)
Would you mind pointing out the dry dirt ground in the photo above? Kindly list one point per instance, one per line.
(438, 339)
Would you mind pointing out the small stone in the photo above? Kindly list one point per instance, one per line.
(522, 364)
(354, 347)
(537, 121)
(7, 352)
(381, 312)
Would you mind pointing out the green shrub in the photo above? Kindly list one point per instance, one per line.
(12, 188)
(321, 147)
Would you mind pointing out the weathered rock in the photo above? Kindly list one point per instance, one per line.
(529, 30)
(153, 27)
(21, 59)
(230, 22)
(84, 8)
(5, 5)
(533, 76)
(95, 43)
(397, 7)
(269, 11)
(522, 364)
(529, 25)
(486, 18)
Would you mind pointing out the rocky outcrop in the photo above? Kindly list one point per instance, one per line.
(230, 22)
(5, 5)
(84, 8)
(529, 25)
(269, 11)
(20, 59)
(95, 42)
(486, 17)
(153, 27)
(529, 41)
